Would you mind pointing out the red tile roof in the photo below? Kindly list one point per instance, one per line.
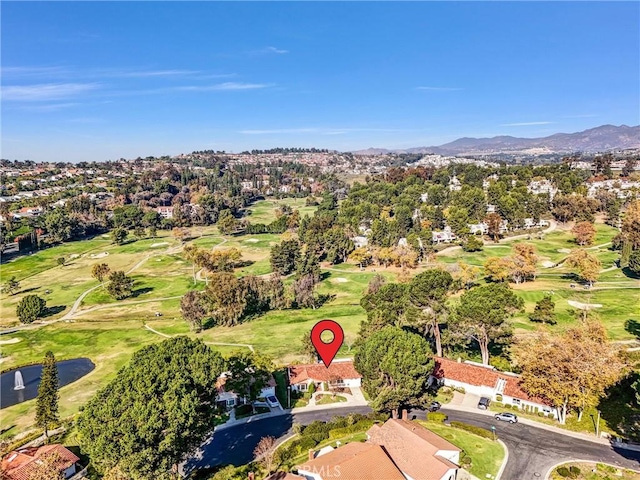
(319, 373)
(414, 449)
(354, 461)
(20, 464)
(481, 376)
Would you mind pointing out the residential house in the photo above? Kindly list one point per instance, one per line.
(341, 373)
(165, 212)
(486, 381)
(538, 187)
(21, 464)
(481, 228)
(454, 184)
(398, 449)
(445, 236)
(228, 399)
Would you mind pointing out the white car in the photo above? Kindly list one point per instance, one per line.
(272, 401)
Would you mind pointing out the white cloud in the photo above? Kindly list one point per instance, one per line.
(525, 124)
(439, 89)
(279, 51)
(222, 86)
(46, 91)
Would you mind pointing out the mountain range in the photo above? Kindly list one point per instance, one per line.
(598, 139)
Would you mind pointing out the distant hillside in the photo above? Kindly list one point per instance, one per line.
(598, 139)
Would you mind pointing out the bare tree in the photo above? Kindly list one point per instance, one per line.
(264, 453)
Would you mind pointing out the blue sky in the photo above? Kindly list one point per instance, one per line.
(98, 81)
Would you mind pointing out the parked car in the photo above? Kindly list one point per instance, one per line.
(261, 402)
(272, 401)
(507, 417)
(434, 406)
(484, 402)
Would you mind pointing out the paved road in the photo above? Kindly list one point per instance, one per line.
(532, 451)
(235, 445)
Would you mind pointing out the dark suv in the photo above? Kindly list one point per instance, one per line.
(484, 402)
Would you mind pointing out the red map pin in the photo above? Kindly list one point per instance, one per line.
(327, 351)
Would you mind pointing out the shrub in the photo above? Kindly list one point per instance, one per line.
(437, 417)
(302, 445)
(541, 414)
(563, 472)
(574, 470)
(482, 432)
(498, 398)
(498, 405)
(243, 409)
(312, 389)
(465, 460)
(361, 426)
(507, 406)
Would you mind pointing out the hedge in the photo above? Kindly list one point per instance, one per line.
(482, 432)
(437, 417)
(361, 426)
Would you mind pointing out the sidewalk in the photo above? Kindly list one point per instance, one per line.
(544, 426)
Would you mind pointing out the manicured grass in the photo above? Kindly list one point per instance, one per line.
(603, 472)
(264, 211)
(324, 399)
(486, 455)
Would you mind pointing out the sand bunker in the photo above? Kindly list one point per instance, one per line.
(74, 255)
(548, 264)
(339, 280)
(564, 250)
(583, 306)
(10, 340)
(99, 255)
(252, 240)
(159, 244)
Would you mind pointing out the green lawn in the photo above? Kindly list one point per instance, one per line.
(602, 472)
(264, 211)
(327, 399)
(486, 455)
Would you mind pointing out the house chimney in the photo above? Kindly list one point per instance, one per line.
(405, 414)
(251, 476)
(311, 454)
(459, 360)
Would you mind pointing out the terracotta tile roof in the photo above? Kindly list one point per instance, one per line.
(354, 461)
(481, 376)
(20, 464)
(319, 373)
(413, 449)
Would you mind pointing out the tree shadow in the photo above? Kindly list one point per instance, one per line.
(141, 291)
(617, 408)
(630, 274)
(8, 429)
(27, 290)
(53, 310)
(244, 263)
(325, 275)
(633, 327)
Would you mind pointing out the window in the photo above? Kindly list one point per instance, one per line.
(516, 401)
(231, 402)
(303, 387)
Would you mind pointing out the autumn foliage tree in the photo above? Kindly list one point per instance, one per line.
(100, 271)
(587, 265)
(571, 370)
(584, 233)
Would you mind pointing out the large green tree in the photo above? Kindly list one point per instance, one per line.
(120, 285)
(284, 256)
(155, 412)
(30, 308)
(47, 402)
(482, 317)
(247, 374)
(428, 294)
(395, 366)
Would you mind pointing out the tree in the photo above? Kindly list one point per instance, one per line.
(100, 271)
(473, 244)
(337, 245)
(120, 286)
(193, 309)
(304, 291)
(571, 370)
(498, 269)
(180, 233)
(58, 225)
(30, 308)
(544, 311)
(482, 316)
(284, 256)
(494, 222)
(248, 373)
(634, 262)
(264, 453)
(61, 261)
(155, 412)
(467, 274)
(361, 256)
(395, 366)
(12, 285)
(225, 298)
(152, 231)
(47, 402)
(139, 232)
(588, 266)
(227, 223)
(388, 305)
(584, 232)
(308, 350)
(119, 235)
(428, 293)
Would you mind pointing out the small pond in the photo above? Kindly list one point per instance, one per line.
(68, 371)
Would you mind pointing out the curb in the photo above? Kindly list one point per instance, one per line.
(504, 462)
(553, 467)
